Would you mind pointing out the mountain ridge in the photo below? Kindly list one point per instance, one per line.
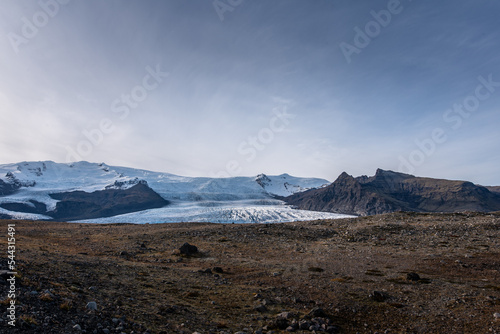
(389, 191)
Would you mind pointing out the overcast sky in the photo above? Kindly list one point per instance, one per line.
(231, 87)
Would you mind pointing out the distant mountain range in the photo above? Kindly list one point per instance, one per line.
(389, 191)
(90, 191)
(100, 193)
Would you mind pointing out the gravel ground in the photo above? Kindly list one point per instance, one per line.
(395, 273)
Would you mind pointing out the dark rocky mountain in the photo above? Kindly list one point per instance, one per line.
(13, 184)
(77, 205)
(7, 188)
(389, 191)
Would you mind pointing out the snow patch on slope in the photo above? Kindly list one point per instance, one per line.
(285, 185)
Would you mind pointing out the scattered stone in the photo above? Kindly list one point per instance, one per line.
(5, 274)
(267, 302)
(496, 315)
(206, 271)
(280, 323)
(77, 327)
(261, 308)
(92, 306)
(379, 296)
(304, 324)
(317, 313)
(333, 329)
(218, 270)
(413, 277)
(188, 249)
(286, 315)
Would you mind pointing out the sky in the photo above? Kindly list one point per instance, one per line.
(242, 87)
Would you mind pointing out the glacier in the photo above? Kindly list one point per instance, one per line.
(193, 199)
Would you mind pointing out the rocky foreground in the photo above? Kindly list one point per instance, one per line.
(395, 273)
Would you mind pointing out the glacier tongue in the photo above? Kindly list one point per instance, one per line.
(233, 199)
(231, 212)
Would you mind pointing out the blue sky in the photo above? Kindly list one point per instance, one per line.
(236, 87)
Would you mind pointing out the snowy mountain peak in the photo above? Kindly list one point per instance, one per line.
(285, 185)
(263, 180)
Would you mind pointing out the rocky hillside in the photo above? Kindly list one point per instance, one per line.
(7, 188)
(389, 191)
(494, 189)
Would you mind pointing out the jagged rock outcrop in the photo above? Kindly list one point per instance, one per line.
(263, 180)
(124, 184)
(7, 188)
(13, 184)
(389, 191)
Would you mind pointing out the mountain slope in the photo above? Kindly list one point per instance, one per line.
(105, 203)
(494, 189)
(389, 191)
(285, 185)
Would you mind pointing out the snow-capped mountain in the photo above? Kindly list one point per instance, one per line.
(285, 185)
(27, 191)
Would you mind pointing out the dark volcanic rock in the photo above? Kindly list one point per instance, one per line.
(413, 277)
(78, 205)
(317, 312)
(37, 207)
(8, 188)
(379, 296)
(188, 249)
(389, 191)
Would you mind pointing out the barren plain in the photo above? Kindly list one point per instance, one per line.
(393, 273)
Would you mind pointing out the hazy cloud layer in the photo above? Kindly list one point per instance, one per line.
(311, 88)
